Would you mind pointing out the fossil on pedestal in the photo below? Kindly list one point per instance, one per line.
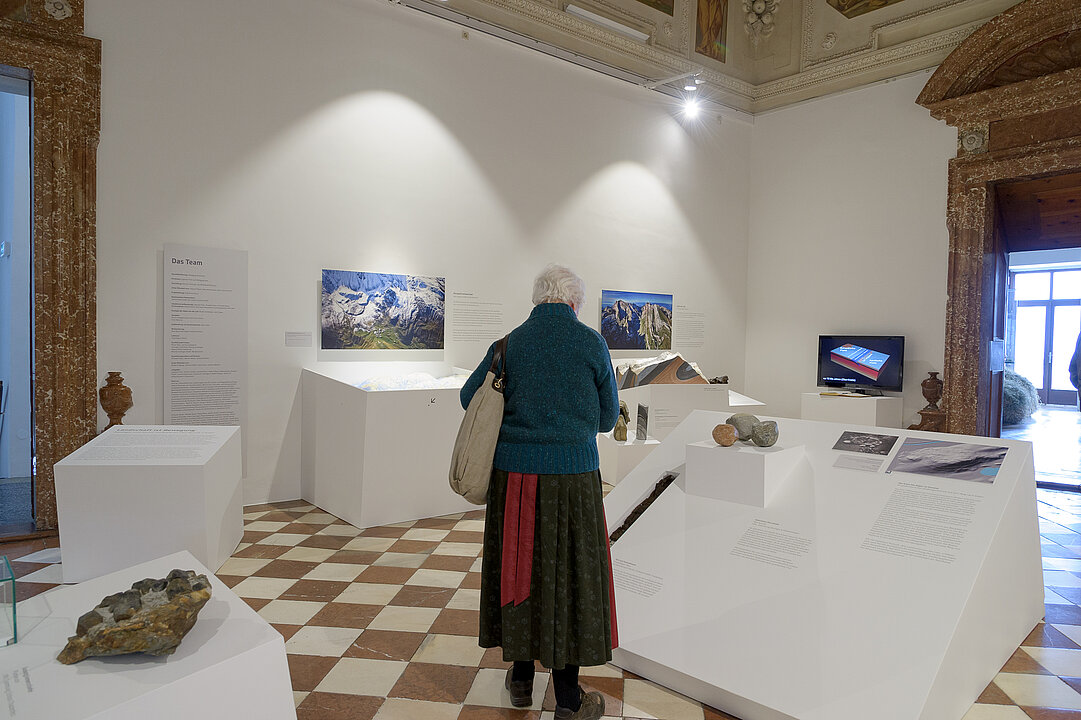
(152, 617)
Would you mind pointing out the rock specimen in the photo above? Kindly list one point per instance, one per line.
(666, 480)
(624, 411)
(641, 431)
(743, 422)
(724, 435)
(152, 617)
(620, 431)
(764, 434)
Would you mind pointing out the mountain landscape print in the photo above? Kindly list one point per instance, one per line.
(636, 320)
(375, 311)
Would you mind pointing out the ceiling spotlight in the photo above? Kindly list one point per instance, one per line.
(690, 87)
(690, 108)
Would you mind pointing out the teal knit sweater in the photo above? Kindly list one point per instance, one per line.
(560, 393)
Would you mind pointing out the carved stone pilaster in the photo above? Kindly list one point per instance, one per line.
(964, 312)
(66, 72)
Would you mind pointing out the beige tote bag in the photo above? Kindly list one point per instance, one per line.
(474, 448)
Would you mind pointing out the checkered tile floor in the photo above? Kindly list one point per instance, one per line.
(381, 623)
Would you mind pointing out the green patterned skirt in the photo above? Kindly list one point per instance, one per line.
(562, 612)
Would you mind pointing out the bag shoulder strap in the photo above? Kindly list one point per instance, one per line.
(499, 364)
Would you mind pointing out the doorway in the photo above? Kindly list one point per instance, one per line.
(1011, 92)
(16, 309)
(1043, 319)
(1042, 324)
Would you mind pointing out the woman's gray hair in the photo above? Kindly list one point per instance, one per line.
(558, 283)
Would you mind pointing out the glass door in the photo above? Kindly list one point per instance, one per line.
(16, 309)
(1046, 323)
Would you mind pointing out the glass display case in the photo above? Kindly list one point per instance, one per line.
(8, 634)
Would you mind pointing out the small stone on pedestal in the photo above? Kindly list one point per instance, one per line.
(744, 423)
(764, 434)
(724, 435)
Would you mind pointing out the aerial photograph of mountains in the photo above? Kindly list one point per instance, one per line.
(373, 311)
(636, 320)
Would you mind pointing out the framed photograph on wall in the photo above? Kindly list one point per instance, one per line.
(636, 320)
(380, 311)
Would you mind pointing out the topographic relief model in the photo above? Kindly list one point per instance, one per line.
(636, 321)
(668, 368)
(373, 311)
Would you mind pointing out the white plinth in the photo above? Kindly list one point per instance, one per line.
(853, 594)
(741, 474)
(231, 664)
(378, 457)
(880, 411)
(619, 458)
(138, 492)
(670, 404)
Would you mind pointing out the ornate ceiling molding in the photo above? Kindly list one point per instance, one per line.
(807, 61)
(849, 66)
(902, 44)
(555, 18)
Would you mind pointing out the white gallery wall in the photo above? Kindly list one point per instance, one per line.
(847, 235)
(358, 135)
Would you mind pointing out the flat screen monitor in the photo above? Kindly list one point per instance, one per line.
(861, 361)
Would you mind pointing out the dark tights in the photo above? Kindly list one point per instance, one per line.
(565, 681)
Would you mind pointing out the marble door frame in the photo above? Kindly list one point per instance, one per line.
(65, 73)
(1013, 91)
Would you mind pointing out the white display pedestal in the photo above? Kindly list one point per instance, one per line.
(878, 411)
(619, 458)
(231, 664)
(741, 474)
(138, 492)
(854, 593)
(670, 404)
(378, 457)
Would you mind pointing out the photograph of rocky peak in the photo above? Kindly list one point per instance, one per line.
(636, 320)
(375, 311)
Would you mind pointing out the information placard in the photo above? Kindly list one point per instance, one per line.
(475, 318)
(206, 335)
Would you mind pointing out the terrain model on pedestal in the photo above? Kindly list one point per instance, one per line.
(362, 310)
(668, 368)
(636, 321)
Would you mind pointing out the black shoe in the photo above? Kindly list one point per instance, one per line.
(592, 708)
(521, 691)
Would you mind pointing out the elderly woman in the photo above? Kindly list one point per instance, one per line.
(546, 583)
